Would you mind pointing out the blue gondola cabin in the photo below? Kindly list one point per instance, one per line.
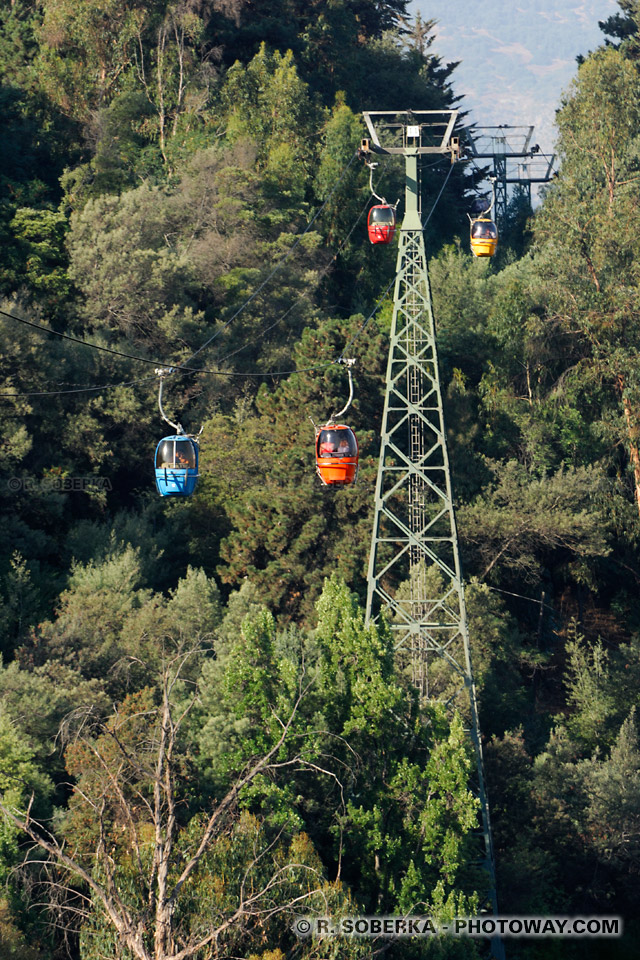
(176, 466)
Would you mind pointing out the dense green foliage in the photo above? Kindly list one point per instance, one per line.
(189, 697)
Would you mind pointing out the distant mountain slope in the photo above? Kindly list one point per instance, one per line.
(517, 58)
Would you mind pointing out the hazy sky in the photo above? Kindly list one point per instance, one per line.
(517, 56)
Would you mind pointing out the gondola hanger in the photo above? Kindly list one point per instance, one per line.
(483, 232)
(381, 222)
(177, 456)
(337, 445)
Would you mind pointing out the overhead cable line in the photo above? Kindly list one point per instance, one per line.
(84, 343)
(156, 363)
(95, 389)
(521, 596)
(183, 369)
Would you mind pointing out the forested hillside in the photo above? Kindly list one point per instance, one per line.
(200, 738)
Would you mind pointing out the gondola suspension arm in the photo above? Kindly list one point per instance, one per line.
(486, 212)
(162, 373)
(372, 167)
(380, 199)
(349, 363)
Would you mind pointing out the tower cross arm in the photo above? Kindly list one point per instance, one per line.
(416, 131)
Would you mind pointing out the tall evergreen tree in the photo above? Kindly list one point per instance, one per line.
(587, 241)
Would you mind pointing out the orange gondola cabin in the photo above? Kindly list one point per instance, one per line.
(382, 223)
(336, 454)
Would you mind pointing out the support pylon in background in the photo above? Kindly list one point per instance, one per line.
(414, 564)
(515, 160)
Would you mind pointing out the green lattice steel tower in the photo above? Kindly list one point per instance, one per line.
(414, 564)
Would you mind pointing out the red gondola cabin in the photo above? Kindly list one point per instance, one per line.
(336, 454)
(382, 223)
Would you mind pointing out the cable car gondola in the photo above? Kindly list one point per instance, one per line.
(483, 233)
(176, 466)
(336, 454)
(381, 223)
(177, 457)
(337, 447)
(483, 237)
